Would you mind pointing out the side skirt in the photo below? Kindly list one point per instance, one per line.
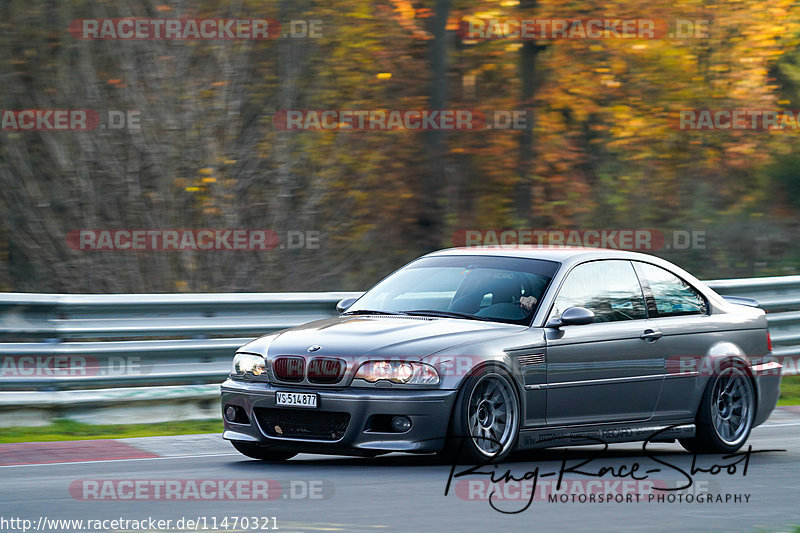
(604, 433)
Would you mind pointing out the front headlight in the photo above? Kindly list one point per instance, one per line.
(404, 372)
(248, 363)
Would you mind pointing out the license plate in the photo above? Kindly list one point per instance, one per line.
(296, 399)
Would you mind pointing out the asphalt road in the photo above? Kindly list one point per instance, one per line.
(406, 493)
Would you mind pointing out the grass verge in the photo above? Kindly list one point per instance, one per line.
(790, 391)
(70, 430)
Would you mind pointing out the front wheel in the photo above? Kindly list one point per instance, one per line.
(254, 451)
(726, 413)
(485, 422)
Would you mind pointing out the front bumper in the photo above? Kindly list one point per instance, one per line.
(429, 411)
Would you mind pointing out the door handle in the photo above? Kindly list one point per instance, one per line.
(650, 335)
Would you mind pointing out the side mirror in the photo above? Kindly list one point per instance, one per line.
(573, 316)
(345, 304)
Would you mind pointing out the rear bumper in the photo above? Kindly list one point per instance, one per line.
(767, 376)
(429, 411)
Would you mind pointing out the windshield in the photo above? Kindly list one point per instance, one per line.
(502, 289)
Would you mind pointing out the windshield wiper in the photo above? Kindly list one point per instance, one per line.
(445, 314)
(372, 312)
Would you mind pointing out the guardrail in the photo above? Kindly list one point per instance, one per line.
(132, 357)
(780, 298)
(159, 357)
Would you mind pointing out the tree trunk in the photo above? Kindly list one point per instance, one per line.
(524, 201)
(431, 219)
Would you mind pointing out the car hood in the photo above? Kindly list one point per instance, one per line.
(379, 335)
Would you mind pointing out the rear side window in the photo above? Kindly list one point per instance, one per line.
(672, 295)
(610, 289)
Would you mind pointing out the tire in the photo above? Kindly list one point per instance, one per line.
(726, 413)
(255, 451)
(487, 405)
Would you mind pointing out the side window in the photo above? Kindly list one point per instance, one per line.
(672, 295)
(610, 289)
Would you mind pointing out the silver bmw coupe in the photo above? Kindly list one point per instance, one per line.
(475, 352)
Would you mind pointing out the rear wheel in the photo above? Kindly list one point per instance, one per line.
(485, 422)
(726, 413)
(255, 451)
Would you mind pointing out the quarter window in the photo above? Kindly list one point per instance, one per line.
(672, 295)
(610, 289)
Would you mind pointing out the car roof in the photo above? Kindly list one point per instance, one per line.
(546, 252)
